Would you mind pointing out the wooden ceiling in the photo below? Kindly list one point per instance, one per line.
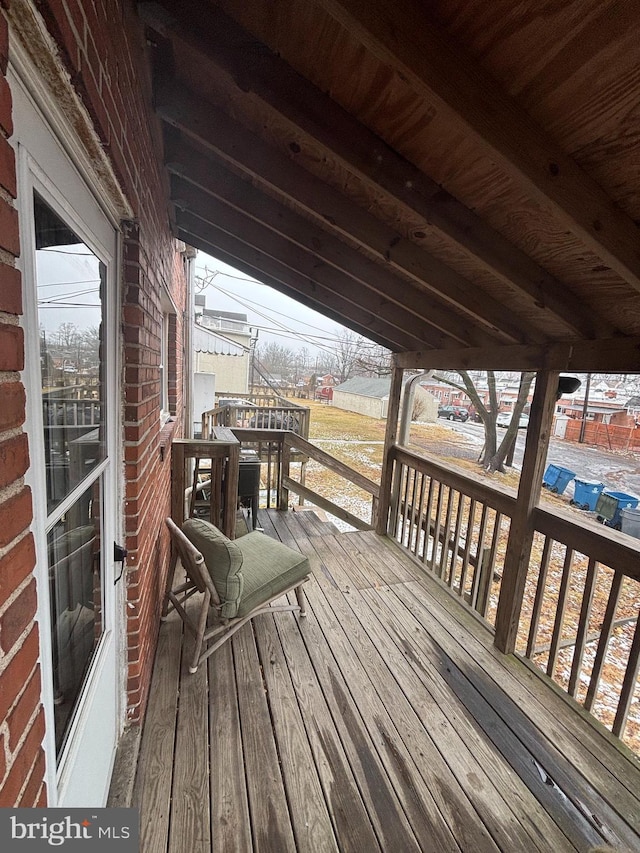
(456, 177)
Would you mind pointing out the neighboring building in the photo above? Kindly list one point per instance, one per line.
(220, 356)
(223, 347)
(371, 397)
(93, 360)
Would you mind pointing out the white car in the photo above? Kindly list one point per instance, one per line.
(504, 419)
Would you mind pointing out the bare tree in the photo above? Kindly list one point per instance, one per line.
(494, 453)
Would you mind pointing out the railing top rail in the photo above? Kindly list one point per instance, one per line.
(583, 534)
(586, 536)
(503, 500)
(333, 464)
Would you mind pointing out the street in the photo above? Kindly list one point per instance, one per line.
(619, 472)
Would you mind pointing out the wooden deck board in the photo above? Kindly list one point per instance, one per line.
(230, 820)
(468, 756)
(384, 720)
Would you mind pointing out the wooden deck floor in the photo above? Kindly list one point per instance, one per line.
(384, 721)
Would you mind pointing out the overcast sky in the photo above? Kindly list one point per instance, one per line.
(277, 317)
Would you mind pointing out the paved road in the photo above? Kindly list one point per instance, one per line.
(618, 471)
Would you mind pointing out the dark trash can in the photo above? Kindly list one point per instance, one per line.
(609, 507)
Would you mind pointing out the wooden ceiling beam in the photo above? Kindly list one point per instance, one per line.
(617, 355)
(221, 136)
(194, 183)
(402, 35)
(218, 214)
(312, 113)
(269, 270)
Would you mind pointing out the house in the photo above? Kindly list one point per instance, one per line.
(370, 396)
(456, 183)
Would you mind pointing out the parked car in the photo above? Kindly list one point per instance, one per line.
(504, 419)
(453, 413)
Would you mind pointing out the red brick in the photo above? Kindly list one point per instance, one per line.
(31, 794)
(11, 347)
(12, 410)
(18, 671)
(20, 770)
(6, 120)
(4, 50)
(14, 459)
(10, 289)
(9, 234)
(15, 516)
(15, 566)
(7, 162)
(23, 710)
(18, 616)
(3, 760)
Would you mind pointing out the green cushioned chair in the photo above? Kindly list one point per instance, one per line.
(238, 578)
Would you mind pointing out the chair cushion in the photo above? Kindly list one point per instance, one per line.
(269, 567)
(223, 559)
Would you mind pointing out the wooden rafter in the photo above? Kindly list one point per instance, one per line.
(233, 144)
(402, 35)
(269, 269)
(255, 69)
(394, 297)
(308, 264)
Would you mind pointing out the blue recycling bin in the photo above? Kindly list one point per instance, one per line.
(556, 479)
(609, 507)
(585, 495)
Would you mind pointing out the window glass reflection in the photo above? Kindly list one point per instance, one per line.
(75, 582)
(70, 281)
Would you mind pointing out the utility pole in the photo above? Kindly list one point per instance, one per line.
(585, 408)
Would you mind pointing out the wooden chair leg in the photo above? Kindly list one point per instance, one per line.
(302, 601)
(202, 627)
(169, 584)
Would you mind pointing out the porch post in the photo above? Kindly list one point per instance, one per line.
(518, 552)
(393, 410)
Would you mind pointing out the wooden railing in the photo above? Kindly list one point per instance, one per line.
(580, 615)
(296, 444)
(266, 413)
(455, 525)
(221, 457)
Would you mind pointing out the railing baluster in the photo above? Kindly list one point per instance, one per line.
(419, 518)
(411, 510)
(487, 569)
(456, 539)
(540, 588)
(427, 520)
(446, 535)
(467, 547)
(436, 528)
(561, 607)
(479, 556)
(605, 636)
(583, 626)
(629, 684)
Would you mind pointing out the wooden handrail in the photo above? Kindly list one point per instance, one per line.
(333, 464)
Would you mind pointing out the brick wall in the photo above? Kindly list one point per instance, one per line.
(21, 715)
(102, 44)
(104, 48)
